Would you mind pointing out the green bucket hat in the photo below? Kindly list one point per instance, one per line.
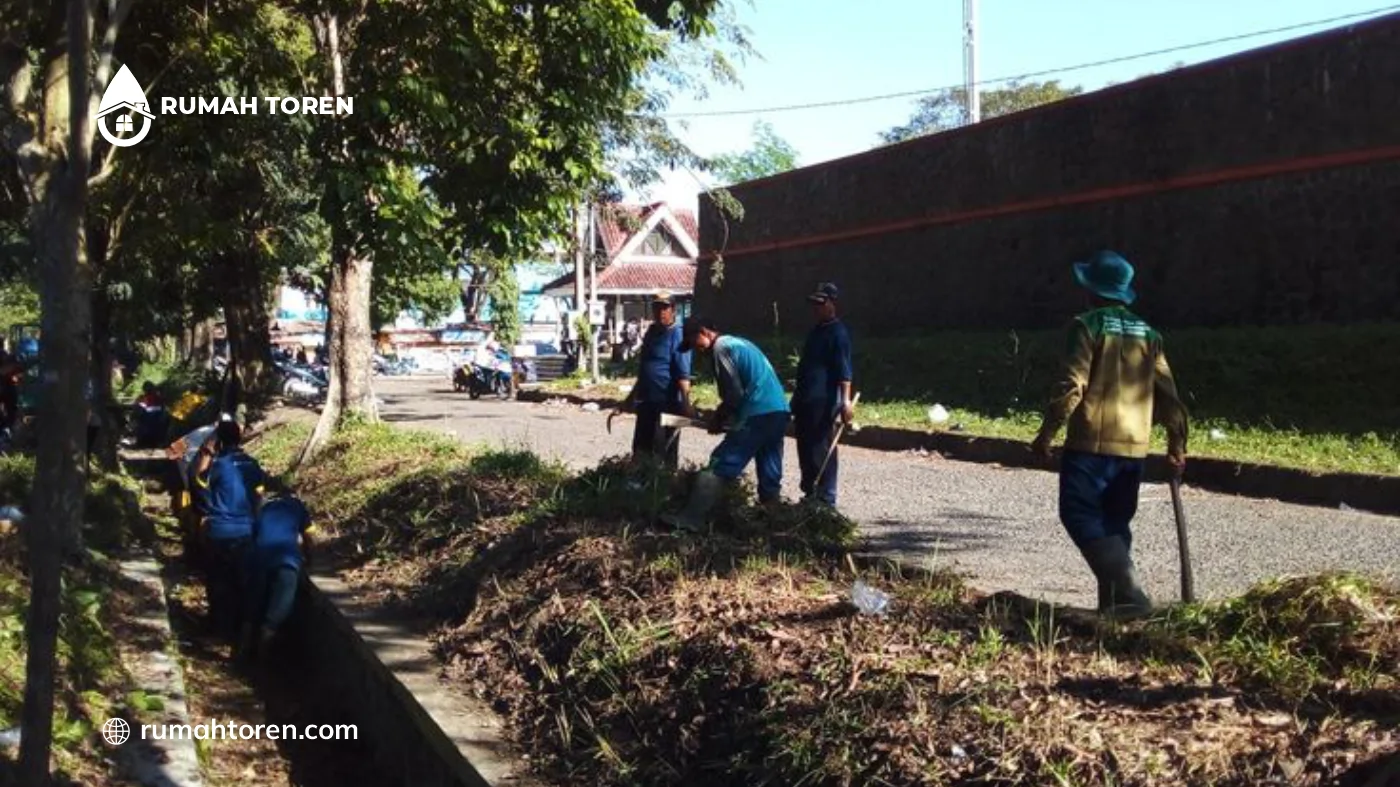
(1107, 275)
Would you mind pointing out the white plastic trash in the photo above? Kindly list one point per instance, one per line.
(591, 407)
(1216, 434)
(869, 600)
(938, 414)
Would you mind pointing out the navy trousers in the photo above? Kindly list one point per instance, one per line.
(1098, 496)
(225, 559)
(814, 435)
(650, 437)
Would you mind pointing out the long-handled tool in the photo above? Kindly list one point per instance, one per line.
(839, 425)
(1188, 582)
(676, 423)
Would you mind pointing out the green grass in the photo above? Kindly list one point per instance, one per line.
(1319, 398)
(91, 679)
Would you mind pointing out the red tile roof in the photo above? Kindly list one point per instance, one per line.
(617, 223)
(635, 278)
(678, 277)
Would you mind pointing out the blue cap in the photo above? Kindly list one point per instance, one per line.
(826, 291)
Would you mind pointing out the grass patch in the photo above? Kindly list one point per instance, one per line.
(92, 681)
(1310, 641)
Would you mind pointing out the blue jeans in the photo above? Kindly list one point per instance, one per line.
(760, 440)
(1098, 496)
(274, 595)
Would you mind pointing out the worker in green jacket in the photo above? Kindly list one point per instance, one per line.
(1115, 379)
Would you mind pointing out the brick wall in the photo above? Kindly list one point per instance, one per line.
(1259, 189)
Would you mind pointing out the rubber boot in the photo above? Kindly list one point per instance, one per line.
(1120, 595)
(703, 496)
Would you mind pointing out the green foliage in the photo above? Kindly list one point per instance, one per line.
(769, 155)
(948, 109)
(19, 305)
(505, 306)
(111, 505)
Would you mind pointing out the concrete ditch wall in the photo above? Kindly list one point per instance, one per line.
(1253, 190)
(380, 670)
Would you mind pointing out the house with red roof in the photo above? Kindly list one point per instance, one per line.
(640, 250)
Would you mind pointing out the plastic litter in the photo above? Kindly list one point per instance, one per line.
(958, 752)
(591, 407)
(1216, 434)
(869, 600)
(938, 414)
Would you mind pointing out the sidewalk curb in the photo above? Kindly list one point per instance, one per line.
(171, 762)
(1372, 493)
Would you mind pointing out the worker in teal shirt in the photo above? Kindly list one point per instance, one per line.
(281, 545)
(755, 410)
(823, 393)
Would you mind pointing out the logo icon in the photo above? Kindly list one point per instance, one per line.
(116, 731)
(125, 99)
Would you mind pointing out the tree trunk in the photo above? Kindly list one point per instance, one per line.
(56, 227)
(348, 322)
(350, 346)
(248, 325)
(109, 425)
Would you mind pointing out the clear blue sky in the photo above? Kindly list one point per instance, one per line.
(820, 50)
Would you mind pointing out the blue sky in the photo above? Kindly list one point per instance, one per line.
(820, 50)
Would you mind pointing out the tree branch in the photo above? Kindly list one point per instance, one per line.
(117, 11)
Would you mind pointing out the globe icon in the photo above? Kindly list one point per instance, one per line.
(116, 731)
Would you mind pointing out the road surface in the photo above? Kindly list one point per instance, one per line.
(997, 525)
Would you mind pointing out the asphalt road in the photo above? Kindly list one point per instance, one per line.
(995, 524)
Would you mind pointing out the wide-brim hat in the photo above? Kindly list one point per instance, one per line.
(663, 298)
(1107, 275)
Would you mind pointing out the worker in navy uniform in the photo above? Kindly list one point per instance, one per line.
(823, 394)
(663, 383)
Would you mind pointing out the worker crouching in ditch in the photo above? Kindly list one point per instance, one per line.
(1115, 378)
(754, 406)
(282, 542)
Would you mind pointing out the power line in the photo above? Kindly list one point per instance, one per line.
(1032, 74)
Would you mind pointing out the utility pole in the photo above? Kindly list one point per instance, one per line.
(970, 88)
(594, 331)
(571, 318)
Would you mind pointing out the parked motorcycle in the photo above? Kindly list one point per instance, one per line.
(478, 379)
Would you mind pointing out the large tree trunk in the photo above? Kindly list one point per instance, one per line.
(348, 329)
(350, 346)
(249, 326)
(56, 226)
(109, 425)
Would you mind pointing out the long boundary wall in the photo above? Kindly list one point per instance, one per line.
(1257, 189)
